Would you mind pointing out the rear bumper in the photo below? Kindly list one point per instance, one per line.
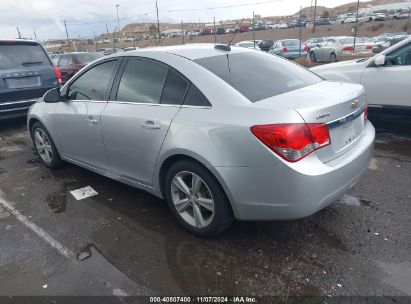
(289, 191)
(9, 109)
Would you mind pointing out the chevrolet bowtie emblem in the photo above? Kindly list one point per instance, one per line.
(355, 104)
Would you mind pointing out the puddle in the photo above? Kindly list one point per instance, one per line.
(398, 275)
(331, 240)
(57, 201)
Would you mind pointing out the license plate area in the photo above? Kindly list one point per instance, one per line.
(23, 82)
(346, 131)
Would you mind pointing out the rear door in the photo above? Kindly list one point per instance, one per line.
(389, 85)
(137, 118)
(26, 73)
(77, 120)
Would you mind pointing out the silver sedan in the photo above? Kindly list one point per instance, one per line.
(220, 133)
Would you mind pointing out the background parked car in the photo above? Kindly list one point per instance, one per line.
(205, 31)
(70, 63)
(335, 47)
(288, 48)
(266, 44)
(26, 73)
(248, 44)
(220, 31)
(130, 48)
(242, 28)
(385, 77)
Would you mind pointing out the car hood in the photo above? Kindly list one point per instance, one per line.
(341, 64)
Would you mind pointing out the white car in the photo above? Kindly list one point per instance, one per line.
(385, 77)
(248, 44)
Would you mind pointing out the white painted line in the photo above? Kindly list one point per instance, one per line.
(36, 229)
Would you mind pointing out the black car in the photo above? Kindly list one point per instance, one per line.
(26, 73)
(266, 45)
(220, 31)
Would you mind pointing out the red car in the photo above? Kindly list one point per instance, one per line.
(242, 28)
(70, 63)
(206, 31)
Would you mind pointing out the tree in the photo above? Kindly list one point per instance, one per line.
(326, 14)
(152, 30)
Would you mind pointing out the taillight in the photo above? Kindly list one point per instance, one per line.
(348, 49)
(285, 50)
(366, 109)
(306, 48)
(293, 141)
(369, 47)
(58, 74)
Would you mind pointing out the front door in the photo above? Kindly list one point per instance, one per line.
(390, 85)
(137, 120)
(78, 119)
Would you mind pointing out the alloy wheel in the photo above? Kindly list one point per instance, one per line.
(192, 199)
(43, 145)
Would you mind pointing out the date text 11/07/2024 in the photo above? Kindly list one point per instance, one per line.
(206, 299)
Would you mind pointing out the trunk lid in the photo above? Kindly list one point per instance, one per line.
(339, 105)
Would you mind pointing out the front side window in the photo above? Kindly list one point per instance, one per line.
(94, 83)
(401, 56)
(258, 76)
(142, 81)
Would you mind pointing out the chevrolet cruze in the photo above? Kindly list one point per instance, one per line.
(220, 133)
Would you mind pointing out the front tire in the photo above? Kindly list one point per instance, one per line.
(196, 199)
(333, 58)
(44, 146)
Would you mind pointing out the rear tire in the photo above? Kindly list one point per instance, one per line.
(196, 199)
(44, 146)
(312, 57)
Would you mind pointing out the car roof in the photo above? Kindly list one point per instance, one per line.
(22, 41)
(189, 51)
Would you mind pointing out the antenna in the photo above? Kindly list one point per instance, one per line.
(235, 33)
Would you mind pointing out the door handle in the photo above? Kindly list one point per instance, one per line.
(91, 122)
(150, 125)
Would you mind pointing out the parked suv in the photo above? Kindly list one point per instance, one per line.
(26, 73)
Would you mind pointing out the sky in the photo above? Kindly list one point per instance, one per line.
(46, 17)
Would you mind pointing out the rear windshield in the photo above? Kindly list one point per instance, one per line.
(85, 58)
(19, 55)
(291, 42)
(259, 76)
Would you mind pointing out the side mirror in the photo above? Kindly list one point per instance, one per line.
(52, 95)
(380, 60)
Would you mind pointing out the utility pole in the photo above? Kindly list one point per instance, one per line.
(315, 15)
(95, 41)
(301, 28)
(114, 41)
(118, 20)
(158, 24)
(132, 35)
(215, 33)
(35, 36)
(182, 29)
(18, 32)
(254, 29)
(356, 26)
(311, 9)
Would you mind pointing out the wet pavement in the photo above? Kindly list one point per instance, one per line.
(123, 241)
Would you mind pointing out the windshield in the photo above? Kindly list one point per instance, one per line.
(85, 58)
(18, 55)
(291, 42)
(258, 76)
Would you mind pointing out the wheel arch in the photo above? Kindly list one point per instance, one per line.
(172, 158)
(32, 120)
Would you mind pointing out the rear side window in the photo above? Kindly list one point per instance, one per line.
(94, 83)
(16, 56)
(174, 89)
(142, 81)
(195, 98)
(259, 76)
